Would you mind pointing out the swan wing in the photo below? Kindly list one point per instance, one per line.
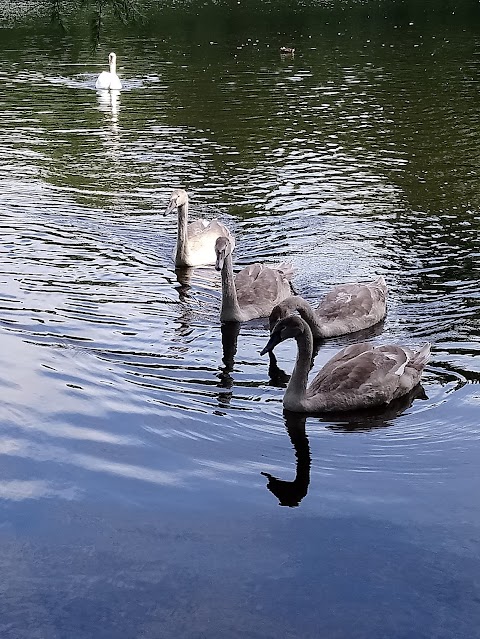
(260, 288)
(362, 375)
(103, 80)
(220, 230)
(352, 307)
(353, 300)
(245, 278)
(196, 228)
(202, 236)
(359, 366)
(286, 269)
(212, 229)
(115, 83)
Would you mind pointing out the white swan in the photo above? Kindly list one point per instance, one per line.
(345, 309)
(109, 79)
(359, 376)
(255, 289)
(195, 241)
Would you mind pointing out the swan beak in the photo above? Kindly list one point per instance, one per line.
(172, 205)
(219, 261)
(274, 340)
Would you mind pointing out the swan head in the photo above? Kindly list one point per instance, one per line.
(112, 58)
(223, 247)
(286, 328)
(178, 198)
(286, 307)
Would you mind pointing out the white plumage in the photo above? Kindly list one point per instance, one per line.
(109, 80)
(195, 241)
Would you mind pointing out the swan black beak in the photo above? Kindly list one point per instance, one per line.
(171, 206)
(274, 340)
(219, 261)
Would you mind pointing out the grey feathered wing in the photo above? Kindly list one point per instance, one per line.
(259, 288)
(361, 375)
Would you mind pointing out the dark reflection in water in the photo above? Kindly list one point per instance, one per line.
(291, 493)
(277, 376)
(230, 332)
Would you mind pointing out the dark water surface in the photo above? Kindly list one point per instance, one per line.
(134, 429)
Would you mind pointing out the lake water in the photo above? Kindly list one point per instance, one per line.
(134, 428)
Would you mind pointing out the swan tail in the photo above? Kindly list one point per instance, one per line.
(380, 282)
(286, 269)
(422, 356)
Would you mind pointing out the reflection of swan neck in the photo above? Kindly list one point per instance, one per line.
(114, 97)
(297, 386)
(299, 440)
(230, 307)
(181, 256)
(291, 493)
(230, 332)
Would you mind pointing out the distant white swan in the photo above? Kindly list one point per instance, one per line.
(347, 308)
(195, 241)
(109, 79)
(359, 376)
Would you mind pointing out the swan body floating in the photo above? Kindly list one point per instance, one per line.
(109, 79)
(254, 291)
(345, 309)
(359, 376)
(195, 241)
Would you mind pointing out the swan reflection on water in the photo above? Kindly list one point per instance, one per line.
(184, 278)
(230, 332)
(188, 282)
(291, 493)
(109, 104)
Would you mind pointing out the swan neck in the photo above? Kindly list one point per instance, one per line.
(297, 386)
(181, 256)
(113, 67)
(307, 313)
(230, 308)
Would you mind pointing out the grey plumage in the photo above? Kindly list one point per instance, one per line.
(359, 376)
(254, 291)
(347, 308)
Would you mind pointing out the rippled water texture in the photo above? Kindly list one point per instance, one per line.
(134, 428)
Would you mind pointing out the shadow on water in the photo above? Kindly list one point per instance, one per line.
(184, 278)
(277, 376)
